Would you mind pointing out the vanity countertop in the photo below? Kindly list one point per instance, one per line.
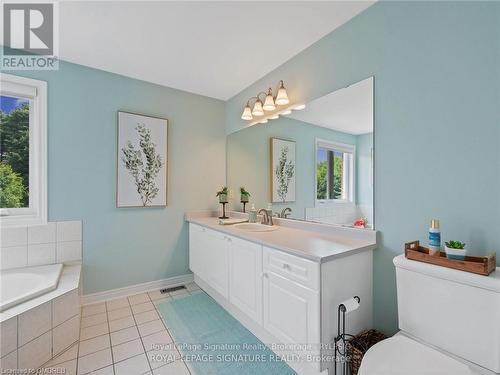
(316, 242)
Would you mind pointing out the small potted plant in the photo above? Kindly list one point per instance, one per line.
(245, 195)
(455, 250)
(222, 194)
(361, 223)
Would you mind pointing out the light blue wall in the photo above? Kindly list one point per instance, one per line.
(127, 246)
(248, 161)
(364, 187)
(437, 116)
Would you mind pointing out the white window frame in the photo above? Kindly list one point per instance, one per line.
(36, 92)
(351, 171)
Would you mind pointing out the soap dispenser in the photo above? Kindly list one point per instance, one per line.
(252, 214)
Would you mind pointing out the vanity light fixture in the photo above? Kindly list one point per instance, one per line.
(247, 113)
(283, 112)
(282, 97)
(269, 102)
(267, 105)
(257, 108)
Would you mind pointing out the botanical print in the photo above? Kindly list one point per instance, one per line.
(143, 171)
(142, 161)
(283, 170)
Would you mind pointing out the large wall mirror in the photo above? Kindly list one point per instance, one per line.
(318, 162)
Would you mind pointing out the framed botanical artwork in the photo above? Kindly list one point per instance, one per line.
(283, 171)
(142, 161)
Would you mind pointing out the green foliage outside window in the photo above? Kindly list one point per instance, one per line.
(322, 179)
(11, 187)
(14, 157)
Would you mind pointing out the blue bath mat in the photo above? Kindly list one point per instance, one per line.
(214, 343)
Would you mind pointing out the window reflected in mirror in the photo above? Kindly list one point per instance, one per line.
(334, 171)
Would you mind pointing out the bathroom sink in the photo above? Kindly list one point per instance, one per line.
(256, 227)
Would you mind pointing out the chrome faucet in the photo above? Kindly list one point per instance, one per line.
(285, 212)
(266, 218)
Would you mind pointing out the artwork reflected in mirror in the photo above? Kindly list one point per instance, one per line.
(319, 166)
(282, 170)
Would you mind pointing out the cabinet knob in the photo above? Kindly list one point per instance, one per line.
(265, 275)
(286, 266)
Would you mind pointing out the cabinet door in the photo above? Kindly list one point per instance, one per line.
(216, 262)
(291, 311)
(196, 253)
(245, 280)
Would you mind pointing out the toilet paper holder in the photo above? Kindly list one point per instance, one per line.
(340, 347)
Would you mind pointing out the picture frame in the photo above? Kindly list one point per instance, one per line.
(282, 170)
(142, 161)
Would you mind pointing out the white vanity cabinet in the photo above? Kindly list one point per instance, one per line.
(233, 267)
(282, 298)
(245, 277)
(291, 297)
(208, 257)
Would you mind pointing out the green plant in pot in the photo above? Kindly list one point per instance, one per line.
(222, 194)
(455, 250)
(245, 195)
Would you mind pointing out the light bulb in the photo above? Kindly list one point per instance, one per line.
(274, 117)
(299, 107)
(282, 96)
(247, 113)
(269, 102)
(257, 109)
(263, 121)
(287, 112)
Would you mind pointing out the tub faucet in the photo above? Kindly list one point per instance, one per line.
(266, 218)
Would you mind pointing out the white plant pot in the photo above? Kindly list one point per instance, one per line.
(456, 254)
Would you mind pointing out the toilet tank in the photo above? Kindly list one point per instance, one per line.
(453, 310)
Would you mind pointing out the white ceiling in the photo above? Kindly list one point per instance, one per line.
(210, 48)
(349, 110)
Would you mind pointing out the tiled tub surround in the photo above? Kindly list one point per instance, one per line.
(125, 336)
(44, 329)
(39, 329)
(56, 242)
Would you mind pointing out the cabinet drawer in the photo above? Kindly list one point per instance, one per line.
(198, 232)
(297, 269)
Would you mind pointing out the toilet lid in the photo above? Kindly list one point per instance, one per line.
(400, 355)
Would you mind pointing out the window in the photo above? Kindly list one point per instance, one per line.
(334, 171)
(23, 155)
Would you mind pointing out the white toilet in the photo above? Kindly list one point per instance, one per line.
(449, 324)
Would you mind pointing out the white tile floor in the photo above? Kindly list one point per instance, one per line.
(125, 336)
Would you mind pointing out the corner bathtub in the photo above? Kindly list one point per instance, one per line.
(22, 284)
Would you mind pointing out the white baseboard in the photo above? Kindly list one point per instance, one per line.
(135, 289)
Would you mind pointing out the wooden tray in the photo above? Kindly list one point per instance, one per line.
(480, 265)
